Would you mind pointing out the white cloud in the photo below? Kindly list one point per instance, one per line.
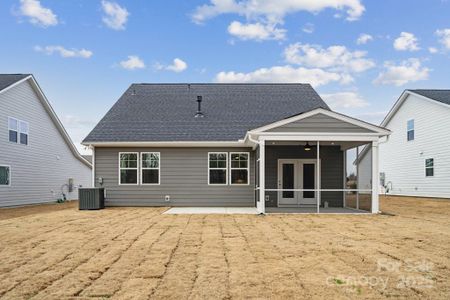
(444, 35)
(115, 15)
(308, 28)
(432, 50)
(281, 74)
(364, 38)
(132, 63)
(177, 66)
(407, 71)
(406, 42)
(275, 11)
(344, 100)
(256, 31)
(336, 58)
(63, 52)
(37, 14)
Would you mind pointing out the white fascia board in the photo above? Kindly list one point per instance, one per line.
(56, 120)
(311, 138)
(169, 144)
(15, 84)
(376, 129)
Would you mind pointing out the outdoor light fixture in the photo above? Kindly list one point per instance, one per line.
(307, 147)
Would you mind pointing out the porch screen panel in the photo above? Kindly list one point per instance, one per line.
(288, 180)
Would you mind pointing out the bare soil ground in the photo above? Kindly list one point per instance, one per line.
(138, 253)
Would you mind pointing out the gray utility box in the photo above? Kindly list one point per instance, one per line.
(91, 198)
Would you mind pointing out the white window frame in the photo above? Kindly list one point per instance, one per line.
(16, 130)
(413, 130)
(19, 131)
(226, 169)
(9, 179)
(27, 133)
(137, 168)
(248, 168)
(426, 168)
(158, 168)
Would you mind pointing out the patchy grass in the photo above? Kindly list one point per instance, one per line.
(58, 252)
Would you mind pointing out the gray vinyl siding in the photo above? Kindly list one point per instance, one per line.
(184, 177)
(320, 123)
(332, 170)
(36, 172)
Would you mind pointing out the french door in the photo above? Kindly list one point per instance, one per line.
(296, 174)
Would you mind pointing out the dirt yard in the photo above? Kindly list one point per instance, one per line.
(58, 252)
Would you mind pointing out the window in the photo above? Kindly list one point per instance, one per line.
(5, 175)
(13, 127)
(410, 130)
(150, 168)
(23, 128)
(217, 168)
(128, 168)
(239, 167)
(18, 131)
(429, 167)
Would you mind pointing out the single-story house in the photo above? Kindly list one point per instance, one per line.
(415, 158)
(269, 146)
(38, 161)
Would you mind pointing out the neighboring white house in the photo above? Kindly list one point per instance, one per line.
(415, 159)
(38, 161)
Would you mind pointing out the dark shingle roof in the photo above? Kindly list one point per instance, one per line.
(8, 79)
(165, 112)
(438, 95)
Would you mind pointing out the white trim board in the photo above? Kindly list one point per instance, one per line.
(376, 129)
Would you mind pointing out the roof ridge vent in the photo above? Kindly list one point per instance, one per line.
(199, 113)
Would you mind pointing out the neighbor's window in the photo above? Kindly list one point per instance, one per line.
(150, 167)
(410, 130)
(239, 167)
(23, 130)
(217, 168)
(18, 131)
(429, 167)
(5, 175)
(13, 127)
(128, 168)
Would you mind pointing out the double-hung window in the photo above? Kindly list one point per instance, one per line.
(429, 167)
(150, 167)
(239, 168)
(128, 168)
(18, 131)
(217, 168)
(5, 176)
(410, 130)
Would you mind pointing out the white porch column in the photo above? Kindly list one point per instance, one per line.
(318, 177)
(375, 178)
(357, 177)
(93, 166)
(261, 207)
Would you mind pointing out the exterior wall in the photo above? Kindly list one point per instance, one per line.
(332, 170)
(184, 177)
(39, 169)
(319, 123)
(403, 162)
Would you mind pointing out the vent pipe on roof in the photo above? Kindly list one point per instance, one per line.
(199, 113)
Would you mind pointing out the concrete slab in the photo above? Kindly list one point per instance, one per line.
(211, 210)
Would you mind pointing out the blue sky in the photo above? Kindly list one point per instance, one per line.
(359, 55)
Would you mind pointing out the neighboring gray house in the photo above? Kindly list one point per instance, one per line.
(38, 161)
(203, 145)
(415, 159)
